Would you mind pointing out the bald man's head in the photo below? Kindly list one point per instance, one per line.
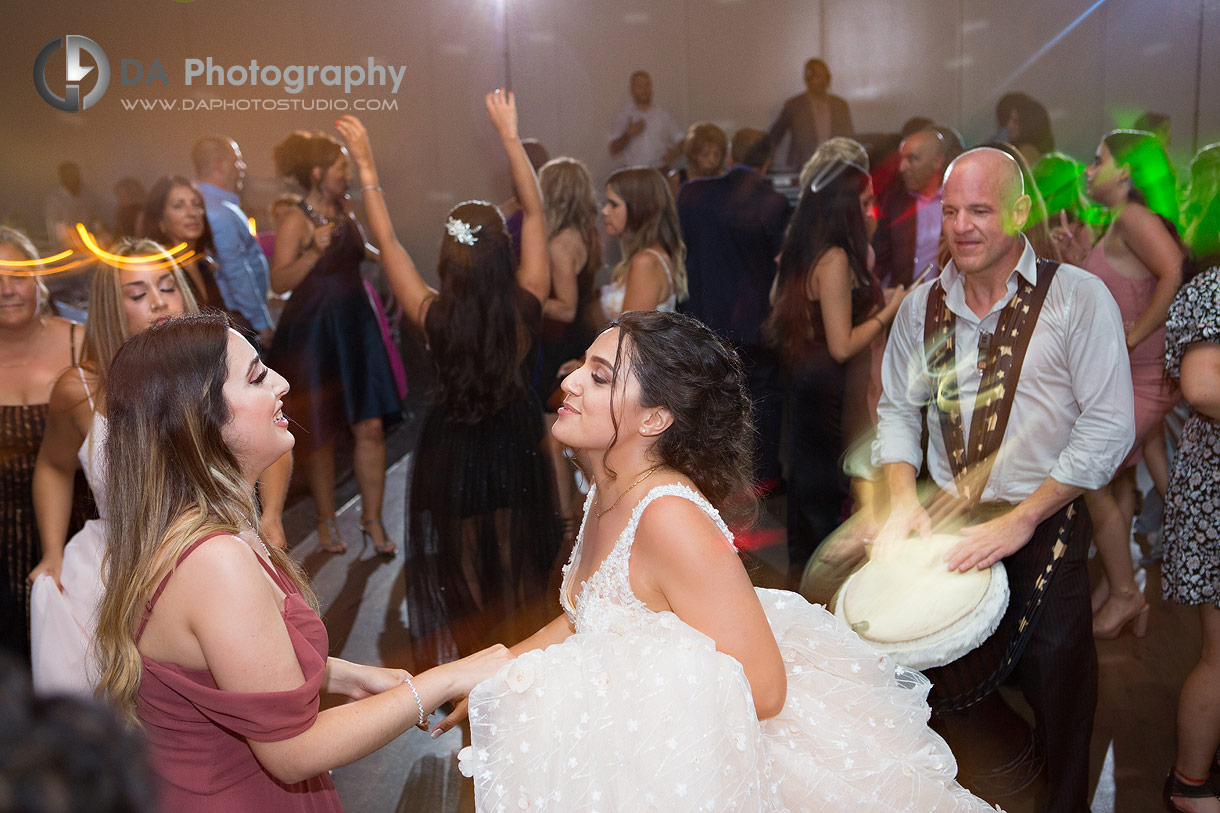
(998, 166)
(984, 209)
(922, 159)
(218, 161)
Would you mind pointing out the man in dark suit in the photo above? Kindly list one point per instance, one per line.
(733, 226)
(908, 216)
(811, 117)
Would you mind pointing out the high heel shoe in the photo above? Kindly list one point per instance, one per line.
(386, 548)
(1183, 790)
(334, 543)
(1109, 628)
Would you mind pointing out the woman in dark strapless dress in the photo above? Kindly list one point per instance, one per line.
(827, 309)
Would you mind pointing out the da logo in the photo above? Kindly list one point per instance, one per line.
(74, 72)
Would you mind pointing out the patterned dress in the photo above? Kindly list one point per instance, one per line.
(639, 711)
(21, 429)
(1191, 572)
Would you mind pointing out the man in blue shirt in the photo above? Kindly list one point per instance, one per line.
(243, 274)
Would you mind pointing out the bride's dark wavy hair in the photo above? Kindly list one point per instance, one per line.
(478, 334)
(683, 366)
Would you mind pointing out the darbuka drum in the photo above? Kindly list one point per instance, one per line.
(908, 604)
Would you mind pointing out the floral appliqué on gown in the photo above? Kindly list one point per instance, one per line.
(638, 711)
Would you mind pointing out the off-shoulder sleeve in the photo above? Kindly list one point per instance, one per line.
(1193, 317)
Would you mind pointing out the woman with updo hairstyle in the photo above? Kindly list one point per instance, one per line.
(827, 309)
(208, 639)
(640, 212)
(328, 343)
(1140, 259)
(35, 347)
(668, 681)
(705, 148)
(483, 533)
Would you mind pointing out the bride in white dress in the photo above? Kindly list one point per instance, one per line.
(669, 683)
(68, 580)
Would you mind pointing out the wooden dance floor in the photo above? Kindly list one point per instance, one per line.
(363, 605)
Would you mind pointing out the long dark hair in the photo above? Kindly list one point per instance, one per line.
(682, 365)
(827, 216)
(1153, 183)
(154, 209)
(474, 325)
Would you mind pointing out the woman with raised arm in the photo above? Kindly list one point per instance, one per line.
(484, 533)
(328, 343)
(208, 638)
(640, 212)
(35, 348)
(141, 286)
(1140, 260)
(669, 682)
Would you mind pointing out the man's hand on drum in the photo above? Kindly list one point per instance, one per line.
(906, 517)
(985, 544)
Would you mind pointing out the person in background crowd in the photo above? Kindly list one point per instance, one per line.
(705, 148)
(242, 271)
(144, 287)
(483, 533)
(1192, 504)
(1024, 123)
(35, 347)
(645, 135)
(811, 117)
(826, 308)
(328, 343)
(1140, 260)
(733, 226)
(640, 212)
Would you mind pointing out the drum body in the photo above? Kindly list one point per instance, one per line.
(906, 603)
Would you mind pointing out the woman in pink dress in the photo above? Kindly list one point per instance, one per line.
(208, 638)
(1140, 260)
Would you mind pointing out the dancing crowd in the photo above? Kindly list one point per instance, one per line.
(1001, 333)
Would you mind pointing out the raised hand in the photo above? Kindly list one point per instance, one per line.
(356, 137)
(502, 110)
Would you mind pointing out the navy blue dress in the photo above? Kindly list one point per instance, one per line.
(328, 346)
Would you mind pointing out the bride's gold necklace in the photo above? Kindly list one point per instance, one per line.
(598, 500)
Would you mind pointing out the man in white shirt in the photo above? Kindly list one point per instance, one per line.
(644, 135)
(1071, 424)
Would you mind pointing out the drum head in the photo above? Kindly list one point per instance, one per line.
(909, 605)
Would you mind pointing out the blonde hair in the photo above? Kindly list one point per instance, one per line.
(838, 148)
(652, 218)
(106, 327)
(567, 195)
(166, 399)
(25, 247)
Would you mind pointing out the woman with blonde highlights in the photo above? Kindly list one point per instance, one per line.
(208, 638)
(640, 212)
(141, 288)
(35, 346)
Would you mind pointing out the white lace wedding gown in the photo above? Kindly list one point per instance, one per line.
(638, 711)
(62, 624)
